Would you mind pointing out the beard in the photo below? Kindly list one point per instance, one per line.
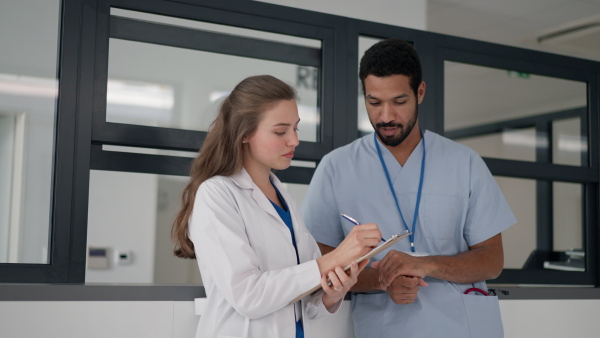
(394, 140)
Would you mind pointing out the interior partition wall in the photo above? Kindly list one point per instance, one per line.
(114, 118)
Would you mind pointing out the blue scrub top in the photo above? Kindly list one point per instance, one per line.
(286, 217)
(461, 205)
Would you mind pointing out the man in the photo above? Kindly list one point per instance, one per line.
(403, 178)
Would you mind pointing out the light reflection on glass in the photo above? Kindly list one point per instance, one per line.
(21, 85)
(525, 138)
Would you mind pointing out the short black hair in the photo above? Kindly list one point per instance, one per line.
(391, 57)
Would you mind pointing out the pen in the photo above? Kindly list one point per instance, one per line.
(355, 222)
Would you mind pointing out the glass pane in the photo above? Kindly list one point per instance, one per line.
(519, 144)
(185, 88)
(129, 223)
(131, 214)
(298, 191)
(568, 211)
(182, 88)
(476, 95)
(519, 240)
(569, 147)
(6, 167)
(364, 125)
(480, 102)
(568, 228)
(29, 35)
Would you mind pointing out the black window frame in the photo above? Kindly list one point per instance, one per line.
(543, 170)
(81, 127)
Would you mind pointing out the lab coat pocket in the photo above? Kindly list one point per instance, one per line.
(483, 316)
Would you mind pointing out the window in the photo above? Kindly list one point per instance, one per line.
(28, 100)
(166, 77)
(539, 123)
(140, 82)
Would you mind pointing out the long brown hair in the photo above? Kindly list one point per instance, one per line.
(222, 151)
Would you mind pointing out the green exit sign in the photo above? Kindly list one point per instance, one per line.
(521, 75)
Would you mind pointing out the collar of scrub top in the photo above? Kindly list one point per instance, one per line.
(389, 180)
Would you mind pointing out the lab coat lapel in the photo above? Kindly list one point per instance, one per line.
(298, 231)
(244, 181)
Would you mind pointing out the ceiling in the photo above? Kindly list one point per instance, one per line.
(568, 27)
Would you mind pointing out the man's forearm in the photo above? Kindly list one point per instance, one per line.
(467, 267)
(368, 281)
(483, 261)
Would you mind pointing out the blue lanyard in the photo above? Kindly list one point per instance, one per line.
(387, 175)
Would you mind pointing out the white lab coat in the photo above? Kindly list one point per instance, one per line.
(248, 263)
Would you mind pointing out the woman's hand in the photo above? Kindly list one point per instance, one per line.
(361, 239)
(341, 282)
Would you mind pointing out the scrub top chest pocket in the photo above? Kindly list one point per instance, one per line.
(442, 217)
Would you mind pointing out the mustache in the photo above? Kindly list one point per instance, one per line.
(388, 125)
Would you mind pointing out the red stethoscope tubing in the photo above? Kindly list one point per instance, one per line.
(477, 290)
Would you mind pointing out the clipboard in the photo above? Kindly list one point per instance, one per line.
(395, 238)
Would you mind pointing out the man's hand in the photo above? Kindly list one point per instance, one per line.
(404, 289)
(396, 264)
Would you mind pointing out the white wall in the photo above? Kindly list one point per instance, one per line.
(550, 318)
(99, 319)
(522, 319)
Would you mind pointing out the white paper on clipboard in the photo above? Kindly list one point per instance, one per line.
(369, 255)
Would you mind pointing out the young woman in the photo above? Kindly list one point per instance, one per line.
(253, 250)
